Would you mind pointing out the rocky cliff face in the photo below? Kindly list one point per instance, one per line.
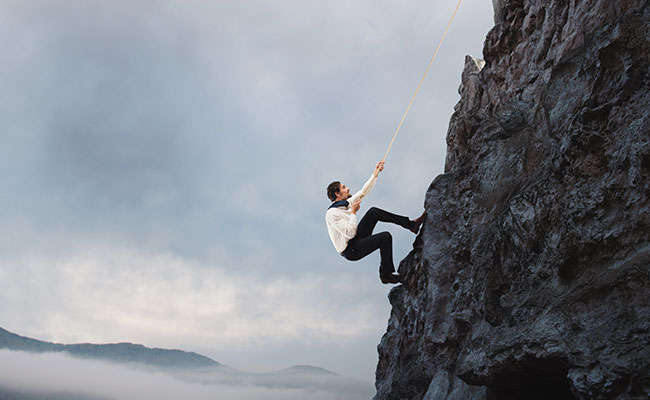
(531, 276)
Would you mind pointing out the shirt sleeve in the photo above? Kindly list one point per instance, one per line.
(346, 226)
(367, 187)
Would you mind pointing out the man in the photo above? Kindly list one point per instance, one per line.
(355, 240)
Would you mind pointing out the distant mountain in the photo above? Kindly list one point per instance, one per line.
(117, 352)
(305, 369)
(182, 366)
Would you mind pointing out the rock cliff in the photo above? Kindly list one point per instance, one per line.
(531, 276)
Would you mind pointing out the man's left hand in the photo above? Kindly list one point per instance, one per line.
(379, 167)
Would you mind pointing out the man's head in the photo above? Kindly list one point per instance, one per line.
(337, 191)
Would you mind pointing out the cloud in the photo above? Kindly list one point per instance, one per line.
(114, 294)
(56, 374)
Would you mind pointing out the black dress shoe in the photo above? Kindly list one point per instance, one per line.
(392, 278)
(418, 222)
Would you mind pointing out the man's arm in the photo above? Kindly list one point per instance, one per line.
(367, 187)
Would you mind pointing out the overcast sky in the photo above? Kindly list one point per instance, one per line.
(163, 168)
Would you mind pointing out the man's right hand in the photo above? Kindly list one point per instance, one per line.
(356, 205)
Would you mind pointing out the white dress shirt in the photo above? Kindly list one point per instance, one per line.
(341, 222)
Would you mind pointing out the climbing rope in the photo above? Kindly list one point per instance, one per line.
(422, 80)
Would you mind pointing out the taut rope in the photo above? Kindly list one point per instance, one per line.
(422, 80)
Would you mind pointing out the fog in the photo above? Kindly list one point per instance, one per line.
(53, 374)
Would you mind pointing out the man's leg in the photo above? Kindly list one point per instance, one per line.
(374, 215)
(360, 247)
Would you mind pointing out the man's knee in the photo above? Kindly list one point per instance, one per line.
(386, 236)
(376, 211)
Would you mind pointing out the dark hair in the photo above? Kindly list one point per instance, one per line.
(332, 189)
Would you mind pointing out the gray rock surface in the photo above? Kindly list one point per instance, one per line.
(531, 276)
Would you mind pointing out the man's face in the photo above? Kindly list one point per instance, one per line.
(343, 193)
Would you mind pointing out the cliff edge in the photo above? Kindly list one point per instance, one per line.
(531, 276)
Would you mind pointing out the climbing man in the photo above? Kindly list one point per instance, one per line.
(355, 240)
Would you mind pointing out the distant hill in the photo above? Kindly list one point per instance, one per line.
(117, 352)
(305, 370)
(183, 366)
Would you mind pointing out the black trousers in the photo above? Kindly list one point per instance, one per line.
(365, 242)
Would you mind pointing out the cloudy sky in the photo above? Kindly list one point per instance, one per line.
(163, 167)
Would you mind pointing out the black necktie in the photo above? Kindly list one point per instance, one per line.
(339, 204)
